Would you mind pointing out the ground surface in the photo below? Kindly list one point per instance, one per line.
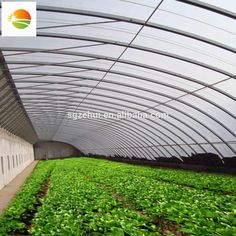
(9, 191)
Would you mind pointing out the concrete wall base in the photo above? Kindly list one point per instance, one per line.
(15, 155)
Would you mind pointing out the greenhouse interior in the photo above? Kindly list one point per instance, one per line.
(118, 118)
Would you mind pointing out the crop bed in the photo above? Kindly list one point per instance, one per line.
(84, 196)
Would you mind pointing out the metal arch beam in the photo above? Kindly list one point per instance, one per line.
(147, 131)
(170, 97)
(210, 7)
(203, 143)
(145, 98)
(12, 121)
(159, 131)
(134, 151)
(8, 117)
(5, 111)
(120, 136)
(6, 94)
(199, 133)
(110, 107)
(11, 116)
(89, 103)
(147, 134)
(134, 21)
(118, 104)
(11, 125)
(167, 129)
(126, 140)
(114, 146)
(128, 62)
(129, 147)
(200, 83)
(128, 153)
(133, 46)
(174, 99)
(57, 109)
(130, 133)
(104, 152)
(135, 77)
(217, 151)
(165, 145)
(99, 143)
(90, 142)
(160, 145)
(114, 150)
(139, 124)
(155, 128)
(153, 100)
(52, 124)
(68, 106)
(153, 145)
(6, 79)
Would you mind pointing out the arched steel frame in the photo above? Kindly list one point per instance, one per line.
(151, 91)
(153, 100)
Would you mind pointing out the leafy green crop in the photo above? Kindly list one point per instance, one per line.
(77, 206)
(97, 197)
(198, 211)
(215, 182)
(17, 215)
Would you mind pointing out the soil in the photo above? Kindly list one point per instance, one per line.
(164, 226)
(30, 213)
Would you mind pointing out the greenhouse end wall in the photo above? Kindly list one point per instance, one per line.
(16, 155)
(54, 150)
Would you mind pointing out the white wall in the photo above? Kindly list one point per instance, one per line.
(54, 149)
(15, 155)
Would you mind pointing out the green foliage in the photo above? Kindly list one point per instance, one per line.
(215, 182)
(196, 210)
(77, 206)
(97, 197)
(20, 210)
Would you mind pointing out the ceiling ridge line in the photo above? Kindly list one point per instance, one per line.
(117, 58)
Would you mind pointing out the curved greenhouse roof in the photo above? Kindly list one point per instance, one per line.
(109, 56)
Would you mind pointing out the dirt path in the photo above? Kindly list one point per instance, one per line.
(9, 191)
